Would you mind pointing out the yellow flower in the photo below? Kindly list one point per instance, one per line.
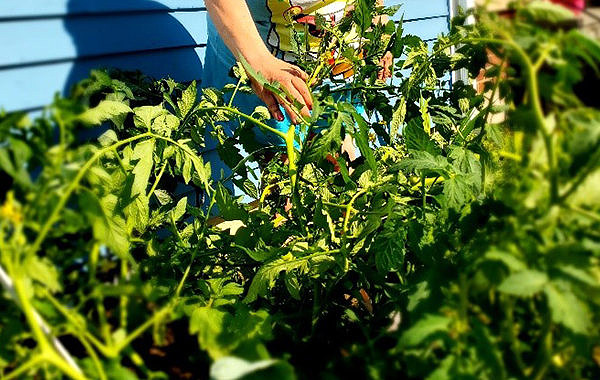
(11, 210)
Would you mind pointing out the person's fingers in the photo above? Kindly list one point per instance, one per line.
(273, 106)
(295, 94)
(295, 70)
(304, 92)
(289, 111)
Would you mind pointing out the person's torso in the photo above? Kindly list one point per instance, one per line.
(282, 14)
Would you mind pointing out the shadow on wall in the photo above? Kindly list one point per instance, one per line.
(130, 35)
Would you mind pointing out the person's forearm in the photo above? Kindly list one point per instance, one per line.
(235, 25)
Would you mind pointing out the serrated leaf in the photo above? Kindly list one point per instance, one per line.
(457, 191)
(143, 116)
(105, 110)
(292, 285)
(188, 99)
(444, 370)
(179, 209)
(186, 170)
(138, 213)
(567, 309)
(417, 139)
(328, 141)
(207, 324)
(43, 271)
(212, 95)
(424, 108)
(107, 225)
(165, 124)
(143, 154)
(163, 196)
(425, 161)
(261, 113)
(229, 207)
(524, 284)
(258, 77)
(108, 138)
(137, 210)
(398, 118)
(580, 275)
(267, 275)
(361, 137)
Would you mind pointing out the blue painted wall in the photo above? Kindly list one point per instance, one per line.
(47, 45)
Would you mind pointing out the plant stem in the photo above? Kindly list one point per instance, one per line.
(72, 186)
(158, 177)
(545, 349)
(235, 91)
(143, 327)
(123, 301)
(582, 175)
(531, 72)
(21, 370)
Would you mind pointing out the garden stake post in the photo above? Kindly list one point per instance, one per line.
(7, 284)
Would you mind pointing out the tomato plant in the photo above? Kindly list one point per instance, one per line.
(462, 242)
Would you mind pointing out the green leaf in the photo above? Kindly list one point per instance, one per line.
(363, 14)
(567, 309)
(143, 116)
(163, 196)
(43, 271)
(361, 137)
(232, 368)
(427, 326)
(179, 209)
(524, 284)
(445, 370)
(207, 323)
(165, 124)
(229, 207)
(580, 274)
(328, 141)
(188, 99)
(186, 170)
(107, 225)
(220, 332)
(257, 76)
(138, 213)
(108, 138)
(424, 108)
(398, 118)
(267, 275)
(457, 191)
(138, 210)
(143, 154)
(292, 285)
(425, 161)
(105, 110)
(513, 263)
(546, 12)
(417, 139)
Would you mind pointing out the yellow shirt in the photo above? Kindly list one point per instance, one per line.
(300, 14)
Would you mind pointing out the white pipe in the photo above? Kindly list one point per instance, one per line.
(7, 284)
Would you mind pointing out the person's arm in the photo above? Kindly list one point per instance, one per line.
(235, 25)
(387, 60)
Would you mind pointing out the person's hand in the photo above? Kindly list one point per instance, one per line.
(385, 63)
(291, 78)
